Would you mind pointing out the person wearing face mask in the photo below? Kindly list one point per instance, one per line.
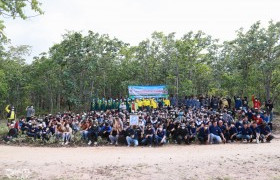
(182, 134)
(93, 133)
(148, 136)
(232, 130)
(258, 119)
(160, 135)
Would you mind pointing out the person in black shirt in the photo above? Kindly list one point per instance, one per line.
(182, 134)
(232, 132)
(203, 134)
(148, 135)
(93, 132)
(13, 132)
(269, 108)
(132, 136)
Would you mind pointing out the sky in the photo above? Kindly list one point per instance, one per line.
(134, 20)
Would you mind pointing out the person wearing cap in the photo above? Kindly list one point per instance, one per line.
(232, 132)
(246, 133)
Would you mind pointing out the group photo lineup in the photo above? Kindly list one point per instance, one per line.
(139, 90)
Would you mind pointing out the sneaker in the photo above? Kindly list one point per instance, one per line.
(89, 143)
(258, 141)
(128, 145)
(95, 143)
(111, 143)
(62, 143)
(116, 144)
(66, 142)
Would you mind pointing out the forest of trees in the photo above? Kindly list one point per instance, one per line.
(83, 66)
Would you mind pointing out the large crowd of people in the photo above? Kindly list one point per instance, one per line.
(201, 120)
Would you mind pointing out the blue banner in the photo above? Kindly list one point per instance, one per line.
(147, 92)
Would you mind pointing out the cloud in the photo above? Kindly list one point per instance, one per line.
(135, 20)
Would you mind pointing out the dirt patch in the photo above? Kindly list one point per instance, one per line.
(229, 161)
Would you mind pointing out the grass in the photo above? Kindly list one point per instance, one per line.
(3, 128)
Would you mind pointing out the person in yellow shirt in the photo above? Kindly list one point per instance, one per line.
(166, 102)
(154, 104)
(139, 103)
(147, 102)
(11, 113)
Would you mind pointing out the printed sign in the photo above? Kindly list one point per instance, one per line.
(133, 120)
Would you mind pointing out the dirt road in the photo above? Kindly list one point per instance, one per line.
(230, 161)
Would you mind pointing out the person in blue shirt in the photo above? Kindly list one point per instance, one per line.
(203, 134)
(265, 132)
(105, 131)
(232, 132)
(246, 133)
(216, 135)
(160, 135)
(255, 132)
(238, 102)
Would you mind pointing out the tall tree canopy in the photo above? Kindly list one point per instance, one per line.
(96, 65)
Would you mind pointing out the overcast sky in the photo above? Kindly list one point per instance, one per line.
(135, 20)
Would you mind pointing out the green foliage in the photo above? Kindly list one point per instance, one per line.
(96, 65)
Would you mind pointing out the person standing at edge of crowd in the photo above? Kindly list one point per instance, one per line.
(30, 111)
(11, 113)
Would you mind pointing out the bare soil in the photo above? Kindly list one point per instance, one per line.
(229, 161)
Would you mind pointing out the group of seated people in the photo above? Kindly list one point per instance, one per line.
(168, 124)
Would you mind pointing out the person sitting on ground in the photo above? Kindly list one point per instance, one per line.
(246, 133)
(203, 134)
(160, 135)
(182, 134)
(13, 132)
(232, 132)
(265, 133)
(132, 136)
(216, 134)
(66, 137)
(192, 132)
(148, 135)
(255, 132)
(33, 131)
(114, 136)
(93, 132)
(105, 130)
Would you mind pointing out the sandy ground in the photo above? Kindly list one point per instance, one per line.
(229, 161)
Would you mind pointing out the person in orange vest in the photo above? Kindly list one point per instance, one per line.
(256, 102)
